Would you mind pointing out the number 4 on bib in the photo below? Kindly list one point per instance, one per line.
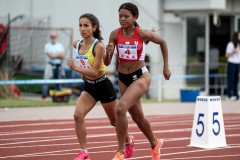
(208, 126)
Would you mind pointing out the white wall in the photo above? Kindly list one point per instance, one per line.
(177, 59)
(184, 5)
(233, 6)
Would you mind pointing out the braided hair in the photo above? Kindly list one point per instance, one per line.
(132, 8)
(94, 21)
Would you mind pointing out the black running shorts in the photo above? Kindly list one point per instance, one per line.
(100, 89)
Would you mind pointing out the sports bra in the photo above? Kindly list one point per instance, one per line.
(130, 49)
(86, 60)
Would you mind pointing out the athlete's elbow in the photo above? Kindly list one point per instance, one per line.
(163, 43)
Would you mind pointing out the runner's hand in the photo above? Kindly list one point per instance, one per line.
(70, 63)
(166, 73)
(109, 49)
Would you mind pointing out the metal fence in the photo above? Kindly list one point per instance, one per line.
(27, 46)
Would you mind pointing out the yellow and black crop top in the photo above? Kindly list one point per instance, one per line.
(86, 60)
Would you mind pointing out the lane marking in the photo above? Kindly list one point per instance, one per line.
(94, 128)
(194, 151)
(102, 121)
(105, 135)
(229, 155)
(44, 154)
(143, 142)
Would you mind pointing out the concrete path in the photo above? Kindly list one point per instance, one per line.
(66, 112)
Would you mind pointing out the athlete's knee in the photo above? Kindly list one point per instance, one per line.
(78, 117)
(113, 123)
(121, 109)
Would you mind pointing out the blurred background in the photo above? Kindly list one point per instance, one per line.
(196, 32)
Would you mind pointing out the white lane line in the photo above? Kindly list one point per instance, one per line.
(95, 136)
(62, 122)
(52, 123)
(231, 126)
(137, 142)
(12, 133)
(71, 129)
(98, 127)
(44, 154)
(36, 138)
(205, 157)
(50, 152)
(36, 124)
(105, 126)
(62, 152)
(105, 135)
(97, 147)
(108, 142)
(167, 139)
(58, 130)
(61, 144)
(194, 151)
(36, 131)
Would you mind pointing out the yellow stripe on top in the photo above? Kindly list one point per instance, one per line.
(90, 54)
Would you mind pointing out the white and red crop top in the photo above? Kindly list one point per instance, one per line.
(130, 49)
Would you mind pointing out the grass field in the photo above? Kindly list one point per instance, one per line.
(27, 102)
(16, 103)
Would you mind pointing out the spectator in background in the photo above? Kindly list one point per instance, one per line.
(213, 68)
(54, 56)
(233, 56)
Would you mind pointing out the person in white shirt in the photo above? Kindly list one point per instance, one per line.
(233, 56)
(54, 56)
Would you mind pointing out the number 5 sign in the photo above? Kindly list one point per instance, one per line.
(208, 126)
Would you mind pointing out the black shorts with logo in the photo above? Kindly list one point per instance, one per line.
(100, 89)
(128, 79)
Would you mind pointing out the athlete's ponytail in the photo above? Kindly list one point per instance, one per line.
(94, 22)
(132, 8)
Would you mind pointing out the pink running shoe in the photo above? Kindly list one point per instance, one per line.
(82, 156)
(129, 148)
(156, 151)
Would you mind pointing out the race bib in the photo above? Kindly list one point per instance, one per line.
(127, 51)
(82, 61)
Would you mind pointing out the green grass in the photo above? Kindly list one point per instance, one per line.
(27, 102)
(36, 88)
(18, 103)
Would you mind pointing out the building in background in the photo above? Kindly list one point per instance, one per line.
(204, 25)
(190, 27)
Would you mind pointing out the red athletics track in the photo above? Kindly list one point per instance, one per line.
(55, 139)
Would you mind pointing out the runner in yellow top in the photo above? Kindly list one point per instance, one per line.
(97, 87)
(86, 60)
